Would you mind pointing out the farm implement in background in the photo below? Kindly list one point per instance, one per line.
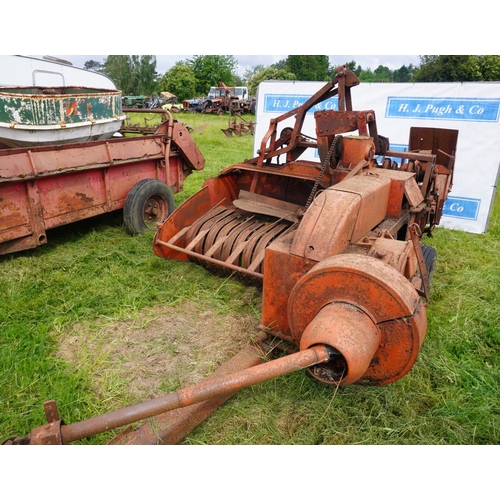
(238, 126)
(137, 170)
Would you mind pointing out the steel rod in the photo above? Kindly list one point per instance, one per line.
(195, 394)
(220, 263)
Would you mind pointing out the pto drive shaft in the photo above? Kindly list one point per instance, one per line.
(58, 433)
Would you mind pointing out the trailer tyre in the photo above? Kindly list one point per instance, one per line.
(148, 203)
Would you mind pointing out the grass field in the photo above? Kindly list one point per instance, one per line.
(94, 320)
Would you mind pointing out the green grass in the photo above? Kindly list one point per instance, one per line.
(92, 273)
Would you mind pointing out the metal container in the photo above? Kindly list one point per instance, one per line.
(38, 116)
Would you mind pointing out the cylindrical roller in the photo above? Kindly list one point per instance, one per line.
(351, 333)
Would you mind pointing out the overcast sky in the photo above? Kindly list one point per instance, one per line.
(262, 28)
(165, 62)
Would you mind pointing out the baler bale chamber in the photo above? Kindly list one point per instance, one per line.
(334, 244)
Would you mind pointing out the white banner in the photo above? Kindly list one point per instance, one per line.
(471, 108)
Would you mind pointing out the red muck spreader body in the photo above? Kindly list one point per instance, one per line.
(335, 245)
(48, 185)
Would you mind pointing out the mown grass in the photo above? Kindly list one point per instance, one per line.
(93, 273)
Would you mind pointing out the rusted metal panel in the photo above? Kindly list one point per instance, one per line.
(45, 187)
(14, 214)
(50, 160)
(328, 225)
(278, 285)
(340, 215)
(53, 105)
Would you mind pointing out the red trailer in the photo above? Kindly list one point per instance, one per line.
(49, 186)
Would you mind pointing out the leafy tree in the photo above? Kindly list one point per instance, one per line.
(281, 64)
(249, 72)
(211, 70)
(403, 74)
(238, 81)
(145, 75)
(269, 73)
(92, 65)
(358, 70)
(383, 74)
(355, 68)
(133, 75)
(366, 75)
(460, 68)
(380, 74)
(179, 80)
(119, 69)
(490, 68)
(311, 68)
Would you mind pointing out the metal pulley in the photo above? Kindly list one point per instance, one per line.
(367, 311)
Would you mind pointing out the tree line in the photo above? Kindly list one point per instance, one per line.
(137, 75)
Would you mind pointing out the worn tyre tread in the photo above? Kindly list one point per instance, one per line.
(137, 197)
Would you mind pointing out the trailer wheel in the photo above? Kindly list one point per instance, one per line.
(148, 203)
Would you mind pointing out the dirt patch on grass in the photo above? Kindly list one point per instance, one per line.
(158, 351)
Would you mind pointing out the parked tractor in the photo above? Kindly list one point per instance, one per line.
(223, 99)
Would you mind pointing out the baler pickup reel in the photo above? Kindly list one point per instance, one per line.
(335, 245)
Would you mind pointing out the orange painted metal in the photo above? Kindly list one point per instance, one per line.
(347, 204)
(381, 292)
(350, 241)
(351, 332)
(341, 215)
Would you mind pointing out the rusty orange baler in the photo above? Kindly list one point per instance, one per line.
(335, 245)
